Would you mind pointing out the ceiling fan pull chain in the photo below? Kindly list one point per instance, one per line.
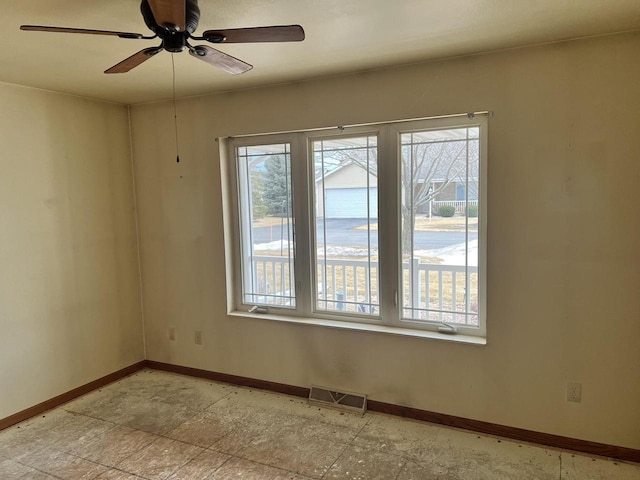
(175, 110)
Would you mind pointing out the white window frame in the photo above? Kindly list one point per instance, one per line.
(345, 132)
(389, 317)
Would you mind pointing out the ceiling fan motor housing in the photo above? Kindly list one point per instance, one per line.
(192, 19)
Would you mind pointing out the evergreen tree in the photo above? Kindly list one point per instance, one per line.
(258, 208)
(276, 194)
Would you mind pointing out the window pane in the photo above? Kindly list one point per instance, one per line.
(346, 229)
(440, 192)
(266, 226)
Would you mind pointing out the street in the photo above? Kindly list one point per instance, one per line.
(341, 232)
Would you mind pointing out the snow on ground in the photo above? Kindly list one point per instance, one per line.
(332, 251)
(272, 246)
(452, 255)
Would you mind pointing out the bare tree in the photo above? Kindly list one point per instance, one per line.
(427, 169)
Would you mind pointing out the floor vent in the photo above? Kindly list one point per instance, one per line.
(353, 402)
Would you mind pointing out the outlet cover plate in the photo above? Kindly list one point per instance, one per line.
(574, 392)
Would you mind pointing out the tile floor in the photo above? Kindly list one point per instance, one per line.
(156, 426)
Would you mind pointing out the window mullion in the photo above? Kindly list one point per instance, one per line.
(388, 227)
(301, 214)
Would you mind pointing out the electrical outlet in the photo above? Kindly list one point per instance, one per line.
(172, 334)
(574, 392)
(197, 337)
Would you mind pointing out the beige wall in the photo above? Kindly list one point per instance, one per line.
(69, 291)
(564, 262)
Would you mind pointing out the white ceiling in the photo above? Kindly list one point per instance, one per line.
(341, 36)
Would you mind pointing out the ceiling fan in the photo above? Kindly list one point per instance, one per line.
(174, 22)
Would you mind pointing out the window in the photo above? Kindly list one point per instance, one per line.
(344, 225)
(440, 284)
(381, 224)
(265, 198)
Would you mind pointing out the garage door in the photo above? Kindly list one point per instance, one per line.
(350, 203)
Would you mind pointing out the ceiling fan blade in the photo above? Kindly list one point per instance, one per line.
(170, 14)
(279, 33)
(134, 60)
(219, 59)
(41, 28)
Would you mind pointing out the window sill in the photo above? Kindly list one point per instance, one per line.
(364, 327)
